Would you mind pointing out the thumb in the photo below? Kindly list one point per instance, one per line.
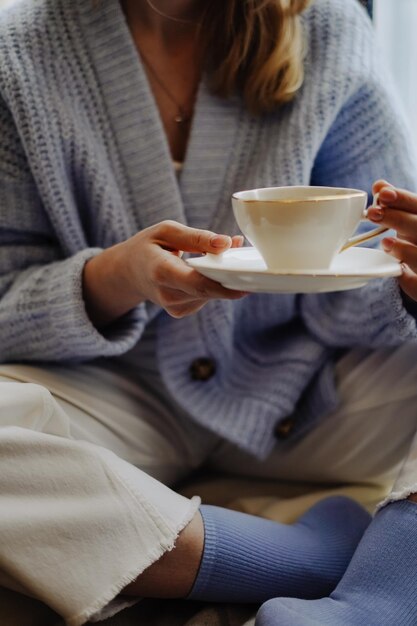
(176, 236)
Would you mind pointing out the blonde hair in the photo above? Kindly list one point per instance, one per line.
(255, 47)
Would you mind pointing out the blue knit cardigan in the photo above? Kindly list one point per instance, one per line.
(84, 164)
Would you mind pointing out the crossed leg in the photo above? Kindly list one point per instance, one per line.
(379, 587)
(84, 529)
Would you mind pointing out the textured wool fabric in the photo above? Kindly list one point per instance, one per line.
(379, 587)
(84, 164)
(250, 559)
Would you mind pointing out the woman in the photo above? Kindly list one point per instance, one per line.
(125, 129)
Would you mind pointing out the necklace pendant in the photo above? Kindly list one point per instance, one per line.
(179, 119)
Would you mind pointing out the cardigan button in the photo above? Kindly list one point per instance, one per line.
(284, 429)
(202, 369)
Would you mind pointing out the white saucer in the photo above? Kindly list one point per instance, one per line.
(244, 269)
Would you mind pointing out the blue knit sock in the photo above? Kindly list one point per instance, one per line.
(380, 584)
(250, 559)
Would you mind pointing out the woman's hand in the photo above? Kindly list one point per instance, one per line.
(148, 266)
(397, 209)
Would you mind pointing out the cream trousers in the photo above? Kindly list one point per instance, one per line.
(86, 460)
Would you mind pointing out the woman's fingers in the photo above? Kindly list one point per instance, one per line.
(407, 253)
(175, 236)
(380, 184)
(175, 274)
(404, 251)
(403, 222)
(397, 209)
(178, 304)
(202, 287)
(198, 290)
(238, 241)
(399, 199)
(189, 308)
(408, 282)
(394, 197)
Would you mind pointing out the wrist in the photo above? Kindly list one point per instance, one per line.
(107, 290)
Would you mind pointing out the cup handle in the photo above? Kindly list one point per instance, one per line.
(354, 241)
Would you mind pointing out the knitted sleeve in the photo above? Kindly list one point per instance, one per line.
(42, 312)
(367, 141)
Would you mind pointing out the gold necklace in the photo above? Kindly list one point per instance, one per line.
(182, 117)
(169, 17)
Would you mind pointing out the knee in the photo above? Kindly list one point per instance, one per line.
(27, 405)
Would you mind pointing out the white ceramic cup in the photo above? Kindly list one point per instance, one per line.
(301, 228)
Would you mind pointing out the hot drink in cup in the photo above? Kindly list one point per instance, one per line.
(301, 228)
